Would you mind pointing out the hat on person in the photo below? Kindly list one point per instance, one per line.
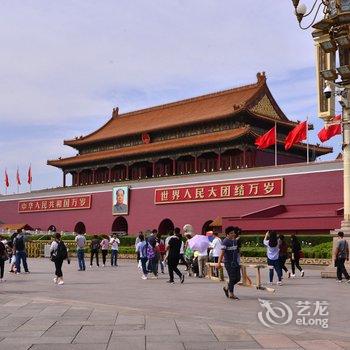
(188, 229)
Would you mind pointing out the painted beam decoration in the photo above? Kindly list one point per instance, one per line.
(220, 191)
(55, 203)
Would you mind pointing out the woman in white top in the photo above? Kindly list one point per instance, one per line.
(59, 253)
(215, 247)
(271, 242)
(114, 243)
(104, 249)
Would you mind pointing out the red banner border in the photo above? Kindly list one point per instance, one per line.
(219, 184)
(54, 209)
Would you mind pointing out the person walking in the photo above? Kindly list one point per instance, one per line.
(94, 250)
(114, 243)
(295, 258)
(283, 254)
(3, 258)
(215, 247)
(11, 253)
(161, 251)
(80, 242)
(141, 249)
(341, 255)
(202, 260)
(273, 262)
(137, 241)
(152, 257)
(173, 256)
(20, 252)
(58, 253)
(230, 254)
(182, 259)
(189, 255)
(104, 249)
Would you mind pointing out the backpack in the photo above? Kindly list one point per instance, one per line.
(60, 253)
(3, 252)
(19, 243)
(150, 252)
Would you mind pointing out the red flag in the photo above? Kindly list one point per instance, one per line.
(30, 175)
(18, 178)
(7, 183)
(267, 139)
(331, 130)
(299, 133)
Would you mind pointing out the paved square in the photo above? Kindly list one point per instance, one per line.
(113, 308)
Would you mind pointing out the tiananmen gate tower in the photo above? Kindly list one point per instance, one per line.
(192, 161)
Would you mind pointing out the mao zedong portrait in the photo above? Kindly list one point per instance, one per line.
(120, 207)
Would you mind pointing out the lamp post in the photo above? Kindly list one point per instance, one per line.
(332, 41)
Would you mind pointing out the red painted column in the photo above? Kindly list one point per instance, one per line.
(109, 174)
(153, 169)
(64, 179)
(127, 172)
(78, 178)
(244, 158)
(93, 175)
(195, 164)
(219, 161)
(174, 166)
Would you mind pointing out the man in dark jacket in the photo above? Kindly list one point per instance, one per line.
(20, 251)
(341, 255)
(173, 256)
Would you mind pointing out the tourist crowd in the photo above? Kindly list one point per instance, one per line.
(193, 250)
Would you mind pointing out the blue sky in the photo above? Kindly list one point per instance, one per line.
(64, 66)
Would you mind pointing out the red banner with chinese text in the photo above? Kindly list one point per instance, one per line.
(51, 204)
(223, 191)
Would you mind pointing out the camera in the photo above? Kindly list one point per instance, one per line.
(327, 92)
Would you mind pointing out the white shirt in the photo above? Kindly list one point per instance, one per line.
(182, 248)
(80, 241)
(114, 242)
(53, 246)
(272, 252)
(139, 248)
(216, 245)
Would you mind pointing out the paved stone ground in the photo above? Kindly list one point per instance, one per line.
(112, 308)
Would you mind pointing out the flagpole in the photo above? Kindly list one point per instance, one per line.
(307, 141)
(30, 177)
(275, 144)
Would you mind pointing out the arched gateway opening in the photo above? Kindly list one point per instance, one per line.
(206, 226)
(120, 225)
(166, 227)
(80, 228)
(52, 228)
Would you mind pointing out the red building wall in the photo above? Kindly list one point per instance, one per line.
(313, 189)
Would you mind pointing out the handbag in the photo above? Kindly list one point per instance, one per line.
(53, 255)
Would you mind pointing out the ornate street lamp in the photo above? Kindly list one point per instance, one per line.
(332, 41)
